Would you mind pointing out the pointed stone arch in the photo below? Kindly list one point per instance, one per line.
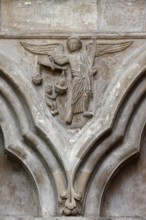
(25, 138)
(121, 140)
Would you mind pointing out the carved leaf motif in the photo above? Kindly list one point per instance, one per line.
(70, 203)
(102, 49)
(47, 49)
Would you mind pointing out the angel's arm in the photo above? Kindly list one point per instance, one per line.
(60, 60)
(54, 51)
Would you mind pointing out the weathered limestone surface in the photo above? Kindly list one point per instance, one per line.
(127, 183)
(121, 16)
(44, 16)
(72, 109)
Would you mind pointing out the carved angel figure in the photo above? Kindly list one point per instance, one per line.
(81, 66)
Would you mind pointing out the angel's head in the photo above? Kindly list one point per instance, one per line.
(74, 44)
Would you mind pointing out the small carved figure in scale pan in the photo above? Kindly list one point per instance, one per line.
(51, 96)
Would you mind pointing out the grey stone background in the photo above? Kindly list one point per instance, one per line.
(37, 154)
(63, 16)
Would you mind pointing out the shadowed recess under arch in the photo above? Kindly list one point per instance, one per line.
(18, 196)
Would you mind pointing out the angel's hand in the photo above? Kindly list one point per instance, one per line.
(93, 71)
(51, 58)
(52, 66)
(52, 62)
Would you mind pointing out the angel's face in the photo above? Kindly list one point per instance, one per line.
(74, 45)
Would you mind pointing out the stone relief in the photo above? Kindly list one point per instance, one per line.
(80, 63)
(71, 183)
(72, 109)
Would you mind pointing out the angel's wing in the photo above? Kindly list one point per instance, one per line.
(102, 49)
(49, 49)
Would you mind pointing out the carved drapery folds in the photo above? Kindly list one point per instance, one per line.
(101, 85)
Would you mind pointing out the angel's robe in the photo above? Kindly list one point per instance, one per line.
(80, 70)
